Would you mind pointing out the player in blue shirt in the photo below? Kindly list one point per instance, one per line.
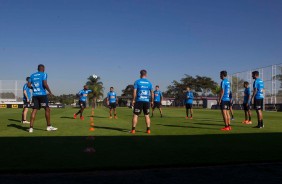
(258, 96)
(158, 97)
(231, 105)
(38, 83)
(82, 94)
(189, 97)
(26, 101)
(142, 95)
(112, 102)
(247, 104)
(224, 100)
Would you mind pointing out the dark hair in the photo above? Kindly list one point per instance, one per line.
(40, 66)
(223, 73)
(27, 79)
(111, 87)
(246, 83)
(255, 73)
(157, 86)
(143, 72)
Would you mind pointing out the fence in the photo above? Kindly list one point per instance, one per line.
(272, 77)
(11, 90)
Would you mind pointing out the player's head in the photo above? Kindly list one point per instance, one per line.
(223, 74)
(143, 73)
(246, 84)
(27, 79)
(41, 68)
(85, 87)
(111, 89)
(157, 87)
(255, 74)
(188, 88)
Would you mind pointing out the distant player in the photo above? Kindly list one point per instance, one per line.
(231, 105)
(82, 101)
(112, 102)
(143, 91)
(247, 104)
(158, 97)
(38, 83)
(189, 97)
(258, 96)
(26, 101)
(224, 100)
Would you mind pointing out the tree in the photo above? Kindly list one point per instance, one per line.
(128, 91)
(97, 87)
(200, 84)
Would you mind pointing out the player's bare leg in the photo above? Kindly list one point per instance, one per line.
(24, 114)
(148, 123)
(115, 113)
(161, 112)
(134, 123)
(47, 116)
(110, 113)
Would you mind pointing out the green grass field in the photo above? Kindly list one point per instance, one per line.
(174, 141)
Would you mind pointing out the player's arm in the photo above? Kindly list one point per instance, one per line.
(134, 96)
(153, 97)
(108, 100)
(26, 96)
(116, 100)
(220, 95)
(46, 86)
(254, 93)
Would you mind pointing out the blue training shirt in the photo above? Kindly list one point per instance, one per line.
(225, 86)
(144, 88)
(247, 94)
(83, 94)
(36, 81)
(259, 85)
(112, 96)
(189, 97)
(157, 96)
(27, 89)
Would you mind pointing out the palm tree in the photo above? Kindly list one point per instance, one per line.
(97, 87)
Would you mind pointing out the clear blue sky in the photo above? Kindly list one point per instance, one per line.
(115, 39)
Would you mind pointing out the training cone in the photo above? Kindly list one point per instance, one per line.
(91, 129)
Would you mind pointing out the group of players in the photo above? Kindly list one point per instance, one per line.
(257, 99)
(144, 97)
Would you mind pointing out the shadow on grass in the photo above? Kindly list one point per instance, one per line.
(98, 117)
(187, 126)
(66, 153)
(18, 127)
(15, 120)
(66, 117)
(112, 128)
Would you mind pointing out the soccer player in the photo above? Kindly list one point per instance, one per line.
(158, 97)
(189, 103)
(82, 101)
(258, 96)
(231, 105)
(143, 90)
(38, 83)
(112, 102)
(224, 100)
(26, 101)
(247, 104)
